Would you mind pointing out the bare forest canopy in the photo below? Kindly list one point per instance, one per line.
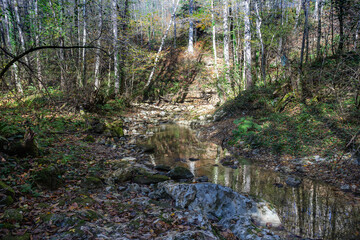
(123, 47)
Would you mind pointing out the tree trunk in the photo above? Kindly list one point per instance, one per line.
(148, 83)
(214, 38)
(247, 46)
(115, 45)
(97, 61)
(37, 42)
(174, 20)
(226, 40)
(318, 17)
(22, 42)
(258, 29)
(191, 28)
(84, 44)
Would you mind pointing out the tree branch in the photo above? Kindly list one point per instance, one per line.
(18, 57)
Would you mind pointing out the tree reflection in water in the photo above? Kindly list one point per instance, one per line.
(313, 210)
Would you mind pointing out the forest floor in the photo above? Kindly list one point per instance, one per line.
(73, 191)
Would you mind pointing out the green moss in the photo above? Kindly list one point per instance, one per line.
(7, 201)
(150, 179)
(89, 138)
(84, 200)
(49, 177)
(46, 217)
(26, 236)
(92, 182)
(115, 129)
(13, 215)
(8, 190)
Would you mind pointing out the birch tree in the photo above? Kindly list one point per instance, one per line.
(247, 45)
(259, 33)
(213, 23)
(114, 20)
(226, 40)
(84, 44)
(97, 61)
(191, 28)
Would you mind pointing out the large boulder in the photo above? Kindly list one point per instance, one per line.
(49, 177)
(231, 209)
(178, 173)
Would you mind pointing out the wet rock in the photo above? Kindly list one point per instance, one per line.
(345, 188)
(180, 160)
(194, 159)
(147, 148)
(293, 181)
(49, 177)
(129, 159)
(235, 211)
(162, 167)
(89, 138)
(180, 173)
(202, 179)
(150, 179)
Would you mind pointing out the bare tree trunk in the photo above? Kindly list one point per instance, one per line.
(191, 28)
(116, 47)
(174, 25)
(22, 42)
(318, 17)
(147, 85)
(37, 42)
(298, 11)
(247, 46)
(84, 44)
(214, 38)
(226, 40)
(258, 29)
(97, 62)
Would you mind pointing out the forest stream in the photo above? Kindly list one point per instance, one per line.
(312, 210)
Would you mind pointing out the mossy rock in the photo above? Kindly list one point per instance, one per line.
(180, 173)
(8, 190)
(90, 215)
(162, 167)
(26, 236)
(13, 215)
(89, 138)
(150, 179)
(125, 174)
(84, 201)
(115, 128)
(6, 200)
(92, 183)
(49, 177)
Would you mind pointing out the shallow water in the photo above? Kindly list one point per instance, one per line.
(313, 210)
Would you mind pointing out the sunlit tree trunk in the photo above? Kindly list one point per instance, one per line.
(214, 38)
(97, 62)
(37, 42)
(226, 40)
(115, 43)
(247, 46)
(258, 29)
(174, 20)
(84, 44)
(191, 28)
(22, 42)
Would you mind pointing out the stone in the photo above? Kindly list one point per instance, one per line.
(233, 210)
(49, 177)
(13, 215)
(162, 167)
(189, 235)
(345, 188)
(202, 179)
(91, 183)
(293, 181)
(150, 179)
(6, 200)
(180, 173)
(115, 128)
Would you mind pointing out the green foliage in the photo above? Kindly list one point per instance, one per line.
(247, 130)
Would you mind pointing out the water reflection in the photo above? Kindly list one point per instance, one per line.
(313, 210)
